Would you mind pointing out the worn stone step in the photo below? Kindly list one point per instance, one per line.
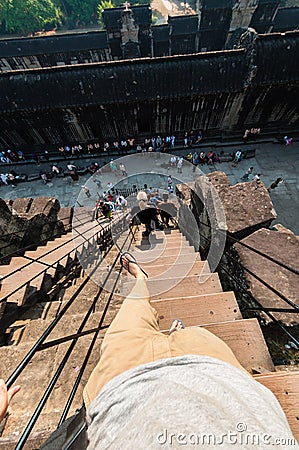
(161, 260)
(163, 248)
(58, 241)
(40, 250)
(45, 311)
(25, 271)
(161, 288)
(19, 281)
(16, 260)
(16, 263)
(162, 244)
(174, 251)
(198, 309)
(162, 238)
(57, 254)
(156, 256)
(192, 267)
(68, 324)
(35, 379)
(285, 387)
(15, 331)
(46, 252)
(34, 441)
(62, 238)
(159, 256)
(246, 340)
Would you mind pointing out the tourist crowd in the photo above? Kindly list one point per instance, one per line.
(155, 211)
(120, 147)
(118, 169)
(124, 146)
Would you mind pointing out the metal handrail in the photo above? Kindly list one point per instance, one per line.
(28, 247)
(80, 374)
(271, 288)
(46, 333)
(280, 263)
(84, 364)
(43, 255)
(70, 337)
(42, 271)
(37, 347)
(267, 311)
(267, 285)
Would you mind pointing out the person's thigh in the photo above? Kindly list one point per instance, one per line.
(198, 341)
(134, 313)
(132, 339)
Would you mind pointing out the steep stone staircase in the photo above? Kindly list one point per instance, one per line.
(26, 276)
(181, 286)
(196, 297)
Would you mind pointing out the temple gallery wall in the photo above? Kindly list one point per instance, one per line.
(221, 92)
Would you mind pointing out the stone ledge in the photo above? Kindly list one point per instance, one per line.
(245, 205)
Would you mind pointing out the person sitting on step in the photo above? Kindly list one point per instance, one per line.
(152, 388)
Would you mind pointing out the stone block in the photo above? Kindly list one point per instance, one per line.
(245, 206)
(34, 380)
(22, 205)
(225, 158)
(250, 153)
(65, 215)
(49, 206)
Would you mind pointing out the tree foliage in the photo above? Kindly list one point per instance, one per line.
(29, 16)
(79, 12)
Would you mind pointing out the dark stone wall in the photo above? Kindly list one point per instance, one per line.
(221, 93)
(28, 224)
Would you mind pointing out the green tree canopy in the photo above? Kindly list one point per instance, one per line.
(29, 16)
(79, 12)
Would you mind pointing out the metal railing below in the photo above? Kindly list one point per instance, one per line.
(247, 294)
(40, 345)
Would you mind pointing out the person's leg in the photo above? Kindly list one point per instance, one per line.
(163, 216)
(132, 339)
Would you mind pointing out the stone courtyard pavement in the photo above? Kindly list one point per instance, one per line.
(272, 161)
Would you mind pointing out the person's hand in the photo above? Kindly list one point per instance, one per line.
(5, 397)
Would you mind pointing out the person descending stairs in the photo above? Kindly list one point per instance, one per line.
(178, 362)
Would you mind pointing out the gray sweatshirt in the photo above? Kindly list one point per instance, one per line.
(187, 402)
